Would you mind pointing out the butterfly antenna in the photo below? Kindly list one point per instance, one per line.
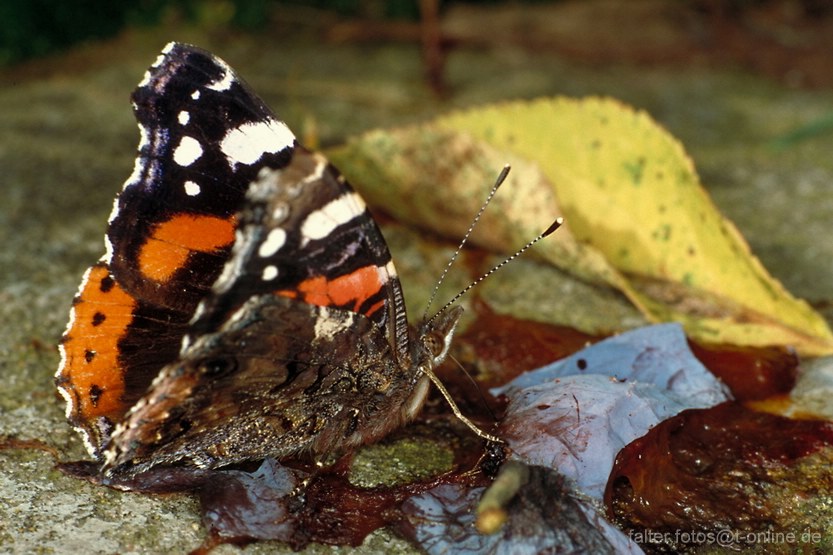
(498, 182)
(553, 226)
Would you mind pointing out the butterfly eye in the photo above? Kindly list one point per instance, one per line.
(217, 367)
(434, 344)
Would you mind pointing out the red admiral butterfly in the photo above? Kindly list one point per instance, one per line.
(247, 305)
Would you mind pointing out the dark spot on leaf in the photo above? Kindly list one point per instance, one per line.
(635, 169)
(663, 233)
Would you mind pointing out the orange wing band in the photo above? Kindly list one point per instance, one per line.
(357, 287)
(91, 372)
(168, 247)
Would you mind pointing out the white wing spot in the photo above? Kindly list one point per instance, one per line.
(136, 175)
(327, 326)
(183, 117)
(191, 188)
(233, 268)
(144, 137)
(247, 143)
(195, 95)
(323, 221)
(318, 173)
(114, 211)
(141, 161)
(156, 63)
(225, 82)
(280, 212)
(269, 273)
(186, 339)
(145, 80)
(273, 243)
(188, 151)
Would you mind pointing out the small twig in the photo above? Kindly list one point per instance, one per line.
(491, 513)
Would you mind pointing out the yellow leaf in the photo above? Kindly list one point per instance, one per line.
(402, 171)
(639, 218)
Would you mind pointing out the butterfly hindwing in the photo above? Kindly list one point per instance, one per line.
(278, 378)
(204, 137)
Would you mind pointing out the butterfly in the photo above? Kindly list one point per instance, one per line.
(247, 305)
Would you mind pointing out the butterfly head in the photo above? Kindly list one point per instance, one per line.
(435, 337)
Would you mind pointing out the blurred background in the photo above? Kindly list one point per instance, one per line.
(784, 39)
